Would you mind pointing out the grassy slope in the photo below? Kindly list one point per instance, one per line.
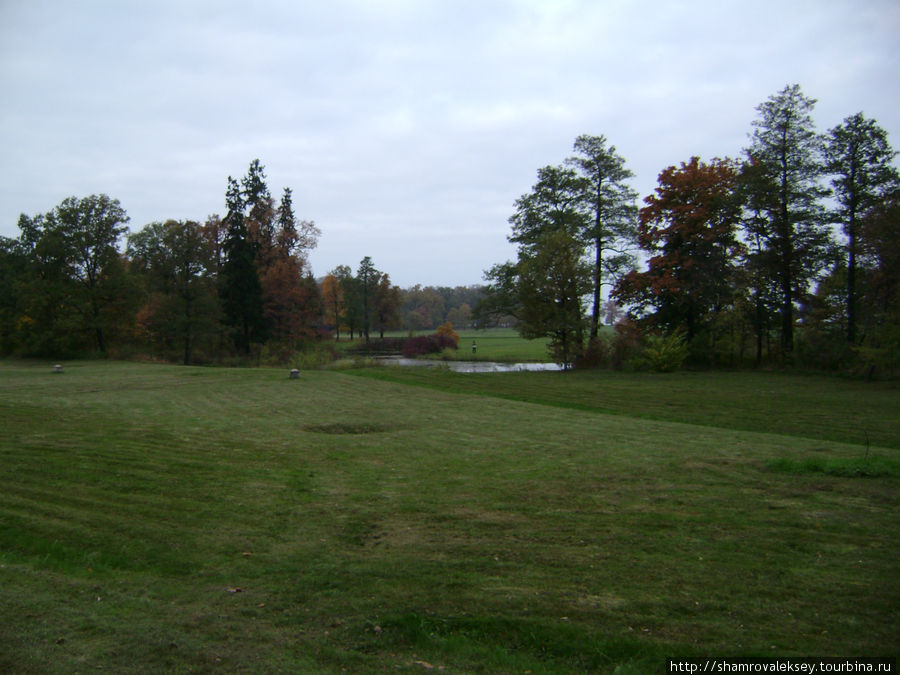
(829, 408)
(371, 525)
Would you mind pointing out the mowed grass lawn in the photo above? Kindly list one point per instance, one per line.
(492, 344)
(162, 518)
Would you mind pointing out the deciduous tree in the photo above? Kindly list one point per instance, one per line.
(689, 229)
(176, 261)
(75, 265)
(387, 302)
(553, 279)
(333, 303)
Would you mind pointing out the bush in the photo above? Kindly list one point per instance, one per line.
(428, 344)
(314, 356)
(626, 344)
(662, 353)
(596, 355)
(447, 331)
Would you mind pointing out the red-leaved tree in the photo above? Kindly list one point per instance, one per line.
(689, 229)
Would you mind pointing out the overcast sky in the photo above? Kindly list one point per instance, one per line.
(406, 129)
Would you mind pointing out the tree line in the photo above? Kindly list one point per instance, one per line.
(232, 287)
(787, 255)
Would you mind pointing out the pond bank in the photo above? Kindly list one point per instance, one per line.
(467, 366)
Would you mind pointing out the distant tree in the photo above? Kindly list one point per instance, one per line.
(387, 301)
(860, 160)
(367, 281)
(552, 281)
(177, 264)
(422, 307)
(611, 228)
(82, 235)
(549, 220)
(879, 256)
(241, 291)
(294, 237)
(213, 232)
(760, 261)
(689, 229)
(555, 203)
(500, 297)
(544, 288)
(258, 208)
(279, 245)
(352, 315)
(460, 316)
(14, 270)
(74, 290)
(786, 155)
(612, 312)
(43, 322)
(333, 303)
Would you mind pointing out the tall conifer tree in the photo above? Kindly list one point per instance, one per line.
(241, 291)
(612, 227)
(859, 158)
(786, 153)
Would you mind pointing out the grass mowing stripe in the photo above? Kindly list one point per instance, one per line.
(830, 408)
(363, 506)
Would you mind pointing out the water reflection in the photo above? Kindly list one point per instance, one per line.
(469, 366)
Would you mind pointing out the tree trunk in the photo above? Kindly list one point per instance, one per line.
(787, 302)
(598, 278)
(851, 278)
(101, 344)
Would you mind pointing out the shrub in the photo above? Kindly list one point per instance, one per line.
(626, 344)
(447, 330)
(662, 353)
(596, 354)
(427, 344)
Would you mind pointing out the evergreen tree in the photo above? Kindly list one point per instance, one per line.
(859, 158)
(555, 203)
(786, 153)
(611, 229)
(257, 205)
(241, 291)
(367, 281)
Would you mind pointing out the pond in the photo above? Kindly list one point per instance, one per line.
(469, 366)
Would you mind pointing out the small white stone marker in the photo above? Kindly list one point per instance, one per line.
(57, 368)
(295, 374)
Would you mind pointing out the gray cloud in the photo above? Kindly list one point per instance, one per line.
(405, 129)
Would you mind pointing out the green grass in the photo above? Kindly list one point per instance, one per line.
(829, 408)
(493, 344)
(161, 518)
(500, 344)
